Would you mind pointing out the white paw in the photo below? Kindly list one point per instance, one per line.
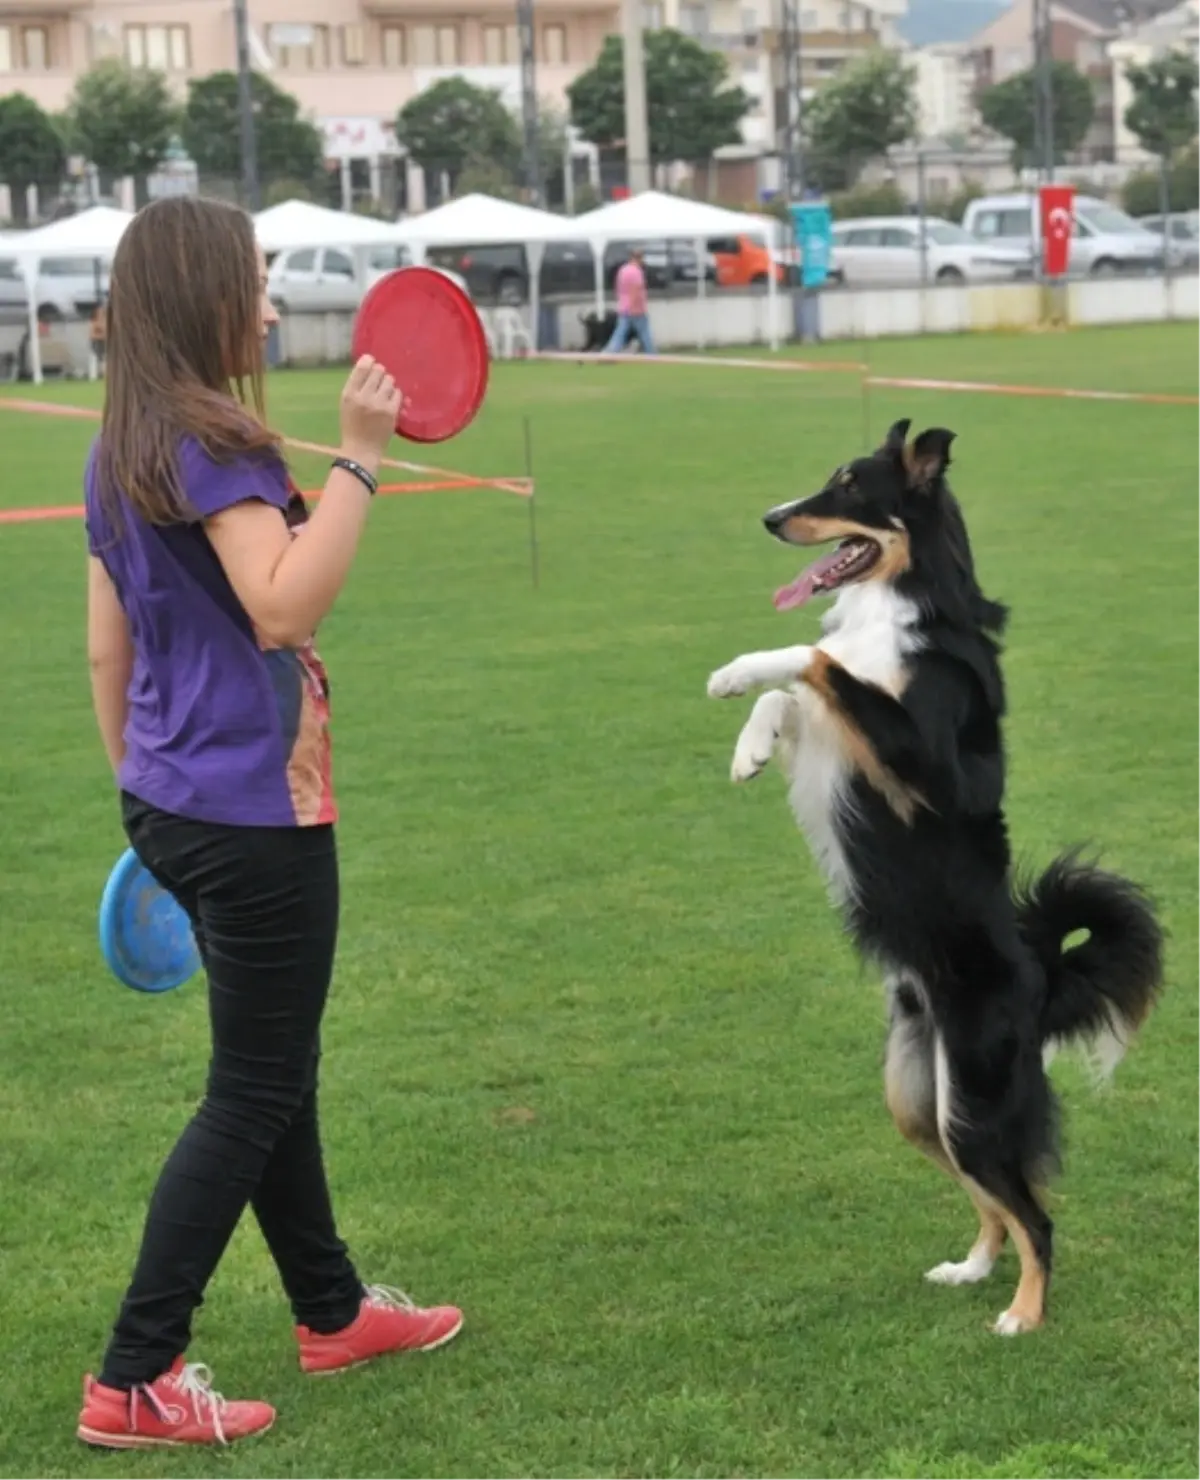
(728, 682)
(1012, 1324)
(748, 762)
(968, 1272)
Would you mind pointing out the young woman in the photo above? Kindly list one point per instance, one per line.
(206, 581)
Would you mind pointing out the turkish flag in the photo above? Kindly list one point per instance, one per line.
(1057, 214)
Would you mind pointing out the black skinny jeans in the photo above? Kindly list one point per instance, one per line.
(264, 905)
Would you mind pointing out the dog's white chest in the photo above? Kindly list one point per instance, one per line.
(870, 631)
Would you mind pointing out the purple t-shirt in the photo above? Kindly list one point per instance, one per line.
(220, 728)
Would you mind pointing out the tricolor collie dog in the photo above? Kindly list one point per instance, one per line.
(888, 731)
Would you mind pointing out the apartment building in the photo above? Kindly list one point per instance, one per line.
(1082, 32)
(353, 63)
(1177, 29)
(945, 89)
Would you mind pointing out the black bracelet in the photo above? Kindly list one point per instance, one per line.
(347, 464)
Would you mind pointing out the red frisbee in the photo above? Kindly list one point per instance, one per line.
(426, 332)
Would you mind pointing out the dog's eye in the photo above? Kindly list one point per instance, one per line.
(846, 478)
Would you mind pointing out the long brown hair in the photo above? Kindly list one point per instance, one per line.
(183, 350)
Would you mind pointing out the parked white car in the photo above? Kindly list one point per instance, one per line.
(1104, 240)
(67, 287)
(887, 251)
(334, 279)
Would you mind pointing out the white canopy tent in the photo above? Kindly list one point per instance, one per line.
(653, 216)
(299, 223)
(484, 221)
(93, 233)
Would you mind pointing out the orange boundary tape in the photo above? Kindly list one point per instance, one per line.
(979, 387)
(444, 479)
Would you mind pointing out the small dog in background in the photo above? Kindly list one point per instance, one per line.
(599, 329)
(888, 731)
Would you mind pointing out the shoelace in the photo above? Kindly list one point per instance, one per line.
(192, 1381)
(387, 1297)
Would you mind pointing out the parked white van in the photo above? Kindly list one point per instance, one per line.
(1104, 240)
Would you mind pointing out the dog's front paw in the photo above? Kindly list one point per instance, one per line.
(750, 758)
(728, 682)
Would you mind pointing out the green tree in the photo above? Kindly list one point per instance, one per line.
(454, 124)
(861, 113)
(31, 149)
(691, 110)
(1142, 193)
(121, 119)
(1163, 112)
(1009, 109)
(289, 146)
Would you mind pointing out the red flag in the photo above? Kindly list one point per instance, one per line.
(1057, 215)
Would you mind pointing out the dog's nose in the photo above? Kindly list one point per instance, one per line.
(774, 519)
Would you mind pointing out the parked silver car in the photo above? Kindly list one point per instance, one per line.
(888, 251)
(1182, 235)
(1104, 240)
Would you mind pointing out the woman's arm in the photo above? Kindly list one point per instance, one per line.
(288, 585)
(110, 658)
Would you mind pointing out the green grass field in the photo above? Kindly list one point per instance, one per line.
(600, 1065)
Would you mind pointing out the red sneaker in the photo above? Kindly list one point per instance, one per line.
(387, 1321)
(177, 1408)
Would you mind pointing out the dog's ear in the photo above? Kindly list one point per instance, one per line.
(893, 443)
(926, 459)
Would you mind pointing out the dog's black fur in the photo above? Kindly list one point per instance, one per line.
(599, 329)
(978, 961)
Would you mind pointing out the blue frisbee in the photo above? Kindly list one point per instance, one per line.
(145, 934)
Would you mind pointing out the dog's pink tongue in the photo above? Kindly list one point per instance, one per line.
(805, 584)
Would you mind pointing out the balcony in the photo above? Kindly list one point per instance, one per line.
(477, 9)
(37, 10)
(729, 42)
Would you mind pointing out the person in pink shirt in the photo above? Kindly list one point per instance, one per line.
(632, 317)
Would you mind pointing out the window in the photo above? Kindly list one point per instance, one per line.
(693, 18)
(6, 49)
(337, 264)
(304, 261)
(354, 45)
(67, 267)
(300, 48)
(435, 46)
(35, 45)
(393, 46)
(501, 46)
(652, 15)
(165, 48)
(863, 236)
(897, 236)
(992, 224)
(554, 46)
(749, 21)
(946, 234)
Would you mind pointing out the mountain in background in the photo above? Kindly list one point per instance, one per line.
(928, 21)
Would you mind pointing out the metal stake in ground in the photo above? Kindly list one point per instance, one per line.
(533, 539)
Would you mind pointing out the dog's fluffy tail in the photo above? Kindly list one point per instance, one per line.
(1100, 990)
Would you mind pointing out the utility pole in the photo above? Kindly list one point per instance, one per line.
(637, 134)
(249, 145)
(791, 35)
(1043, 99)
(529, 102)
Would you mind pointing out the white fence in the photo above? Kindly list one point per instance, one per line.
(742, 318)
(730, 318)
